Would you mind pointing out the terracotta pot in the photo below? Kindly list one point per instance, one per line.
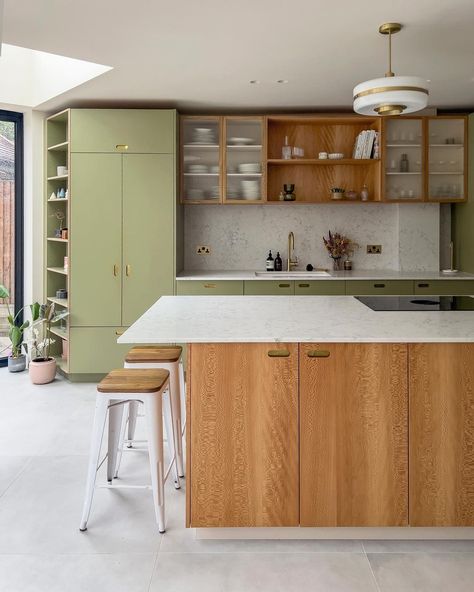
(42, 371)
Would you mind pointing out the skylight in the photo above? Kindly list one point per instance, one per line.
(29, 77)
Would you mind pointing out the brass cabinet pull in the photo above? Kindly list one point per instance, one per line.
(128, 270)
(423, 285)
(209, 285)
(318, 353)
(283, 285)
(379, 285)
(121, 146)
(278, 353)
(116, 270)
(118, 333)
(303, 285)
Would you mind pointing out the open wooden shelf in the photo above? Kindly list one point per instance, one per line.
(59, 332)
(59, 301)
(59, 270)
(58, 177)
(323, 161)
(58, 240)
(58, 199)
(61, 147)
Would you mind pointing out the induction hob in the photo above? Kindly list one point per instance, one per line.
(418, 303)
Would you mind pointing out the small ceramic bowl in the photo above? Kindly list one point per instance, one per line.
(336, 155)
(352, 195)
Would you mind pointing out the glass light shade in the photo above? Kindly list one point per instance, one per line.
(391, 95)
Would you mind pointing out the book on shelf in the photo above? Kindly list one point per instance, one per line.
(364, 145)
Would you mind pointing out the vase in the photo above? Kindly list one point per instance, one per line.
(336, 263)
(17, 364)
(42, 371)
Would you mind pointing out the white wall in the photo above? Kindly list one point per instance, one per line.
(240, 236)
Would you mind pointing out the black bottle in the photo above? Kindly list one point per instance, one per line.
(270, 262)
(278, 262)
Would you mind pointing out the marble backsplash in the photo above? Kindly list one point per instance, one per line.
(240, 236)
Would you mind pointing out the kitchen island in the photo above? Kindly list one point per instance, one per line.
(318, 411)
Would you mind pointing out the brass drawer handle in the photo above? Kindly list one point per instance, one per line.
(128, 270)
(116, 269)
(379, 285)
(278, 353)
(118, 333)
(423, 285)
(283, 285)
(209, 285)
(303, 285)
(318, 353)
(121, 146)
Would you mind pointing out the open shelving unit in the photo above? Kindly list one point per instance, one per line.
(57, 215)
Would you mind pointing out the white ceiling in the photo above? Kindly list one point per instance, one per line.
(200, 54)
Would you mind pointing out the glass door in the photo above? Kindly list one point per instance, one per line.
(11, 221)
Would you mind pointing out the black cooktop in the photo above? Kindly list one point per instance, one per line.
(417, 303)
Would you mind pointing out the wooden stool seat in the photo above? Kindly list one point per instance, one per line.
(149, 354)
(127, 380)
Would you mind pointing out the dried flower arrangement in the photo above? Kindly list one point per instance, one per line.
(337, 246)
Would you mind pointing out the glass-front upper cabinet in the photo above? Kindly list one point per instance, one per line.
(447, 158)
(244, 160)
(200, 160)
(404, 156)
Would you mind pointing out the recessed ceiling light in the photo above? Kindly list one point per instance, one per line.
(255, 82)
(282, 81)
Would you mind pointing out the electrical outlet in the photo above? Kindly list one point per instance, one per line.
(203, 250)
(374, 249)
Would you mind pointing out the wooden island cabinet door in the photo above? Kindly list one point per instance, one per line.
(441, 434)
(354, 434)
(243, 407)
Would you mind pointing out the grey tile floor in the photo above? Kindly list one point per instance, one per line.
(44, 439)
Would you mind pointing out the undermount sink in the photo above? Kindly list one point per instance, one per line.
(299, 275)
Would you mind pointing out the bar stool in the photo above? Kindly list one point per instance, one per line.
(164, 357)
(118, 388)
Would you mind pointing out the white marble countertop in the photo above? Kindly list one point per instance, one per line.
(333, 319)
(334, 275)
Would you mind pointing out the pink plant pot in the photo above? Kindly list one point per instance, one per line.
(42, 372)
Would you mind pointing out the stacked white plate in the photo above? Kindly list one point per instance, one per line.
(195, 193)
(198, 168)
(214, 192)
(203, 135)
(250, 167)
(240, 141)
(250, 188)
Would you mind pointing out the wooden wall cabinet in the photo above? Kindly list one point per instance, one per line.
(441, 434)
(354, 434)
(243, 443)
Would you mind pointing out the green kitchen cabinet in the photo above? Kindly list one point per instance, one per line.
(382, 287)
(94, 350)
(269, 288)
(445, 287)
(123, 130)
(320, 288)
(96, 240)
(210, 288)
(148, 231)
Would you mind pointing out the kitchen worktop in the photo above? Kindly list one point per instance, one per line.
(334, 319)
(333, 275)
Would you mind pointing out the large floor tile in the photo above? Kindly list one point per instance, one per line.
(419, 546)
(76, 573)
(262, 572)
(423, 572)
(10, 468)
(41, 511)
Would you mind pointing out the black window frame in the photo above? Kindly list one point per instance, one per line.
(17, 119)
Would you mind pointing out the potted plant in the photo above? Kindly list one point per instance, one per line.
(42, 366)
(16, 359)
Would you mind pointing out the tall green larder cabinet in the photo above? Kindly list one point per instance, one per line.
(121, 223)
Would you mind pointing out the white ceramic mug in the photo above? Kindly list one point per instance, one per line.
(322, 155)
(62, 170)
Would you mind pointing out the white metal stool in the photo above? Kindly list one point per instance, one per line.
(164, 357)
(118, 388)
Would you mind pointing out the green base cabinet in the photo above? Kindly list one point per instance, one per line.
(94, 350)
(210, 288)
(320, 288)
(269, 288)
(445, 287)
(379, 287)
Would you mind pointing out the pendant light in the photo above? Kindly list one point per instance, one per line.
(392, 95)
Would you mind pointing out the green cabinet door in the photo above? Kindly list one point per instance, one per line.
(96, 240)
(387, 287)
(269, 288)
(445, 287)
(320, 288)
(94, 350)
(210, 288)
(148, 232)
(109, 130)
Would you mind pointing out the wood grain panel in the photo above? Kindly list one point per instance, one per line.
(244, 435)
(441, 434)
(354, 435)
